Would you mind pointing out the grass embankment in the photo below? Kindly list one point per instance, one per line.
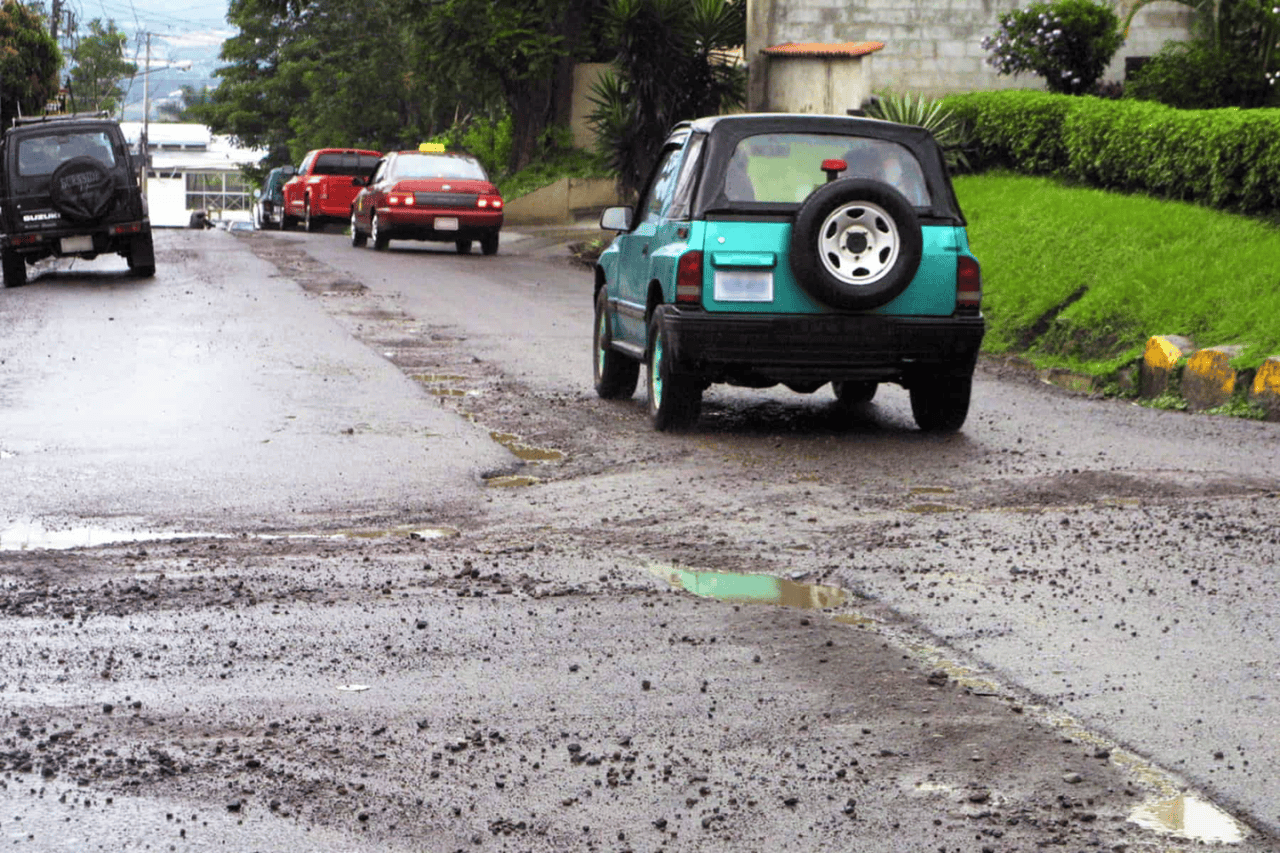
(1081, 278)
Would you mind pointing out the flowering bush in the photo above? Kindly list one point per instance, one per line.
(1068, 42)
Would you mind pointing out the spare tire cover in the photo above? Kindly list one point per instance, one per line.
(81, 189)
(856, 244)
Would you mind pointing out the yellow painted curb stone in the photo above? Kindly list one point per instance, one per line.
(1209, 380)
(1162, 353)
(1266, 386)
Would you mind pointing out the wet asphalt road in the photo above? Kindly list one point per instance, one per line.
(1101, 568)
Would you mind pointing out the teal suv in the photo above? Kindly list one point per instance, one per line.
(791, 249)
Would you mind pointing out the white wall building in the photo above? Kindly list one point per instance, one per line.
(192, 169)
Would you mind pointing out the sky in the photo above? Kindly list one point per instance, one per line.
(181, 31)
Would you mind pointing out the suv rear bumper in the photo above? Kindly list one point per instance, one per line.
(118, 237)
(826, 347)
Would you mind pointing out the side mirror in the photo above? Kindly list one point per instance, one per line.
(290, 171)
(357, 181)
(616, 219)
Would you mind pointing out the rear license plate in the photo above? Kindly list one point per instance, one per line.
(744, 286)
(446, 223)
(83, 243)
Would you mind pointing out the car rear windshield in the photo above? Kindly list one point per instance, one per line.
(437, 166)
(345, 163)
(787, 167)
(40, 155)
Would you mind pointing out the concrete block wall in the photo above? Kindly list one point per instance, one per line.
(931, 46)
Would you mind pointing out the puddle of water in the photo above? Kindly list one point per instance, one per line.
(857, 620)
(524, 451)
(932, 490)
(507, 481)
(33, 536)
(1189, 817)
(448, 392)
(437, 377)
(410, 532)
(755, 589)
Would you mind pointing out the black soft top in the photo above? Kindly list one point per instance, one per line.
(723, 133)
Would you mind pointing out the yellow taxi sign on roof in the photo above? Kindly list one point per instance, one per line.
(431, 148)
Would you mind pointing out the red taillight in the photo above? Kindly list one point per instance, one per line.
(968, 282)
(489, 201)
(398, 198)
(26, 239)
(127, 228)
(689, 278)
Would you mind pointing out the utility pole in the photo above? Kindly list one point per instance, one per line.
(146, 115)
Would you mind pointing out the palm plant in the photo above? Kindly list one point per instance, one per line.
(927, 113)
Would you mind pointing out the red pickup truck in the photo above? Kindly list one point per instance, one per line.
(322, 190)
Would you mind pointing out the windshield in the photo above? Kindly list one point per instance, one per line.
(437, 166)
(40, 155)
(787, 167)
(345, 163)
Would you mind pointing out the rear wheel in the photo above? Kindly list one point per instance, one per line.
(852, 393)
(142, 257)
(15, 269)
(942, 404)
(358, 237)
(310, 222)
(489, 243)
(463, 246)
(380, 239)
(615, 375)
(674, 400)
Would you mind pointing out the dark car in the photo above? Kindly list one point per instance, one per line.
(69, 188)
(320, 191)
(428, 194)
(269, 210)
(791, 249)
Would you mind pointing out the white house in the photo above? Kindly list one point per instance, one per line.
(193, 169)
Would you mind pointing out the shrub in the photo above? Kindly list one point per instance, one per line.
(929, 114)
(1068, 42)
(1019, 130)
(1197, 75)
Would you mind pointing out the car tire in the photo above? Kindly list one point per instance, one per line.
(358, 237)
(463, 246)
(674, 400)
(489, 244)
(615, 374)
(851, 393)
(14, 269)
(286, 221)
(856, 244)
(310, 223)
(81, 189)
(941, 404)
(380, 239)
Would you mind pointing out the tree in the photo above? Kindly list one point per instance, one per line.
(676, 60)
(99, 66)
(29, 63)
(186, 107)
(1067, 42)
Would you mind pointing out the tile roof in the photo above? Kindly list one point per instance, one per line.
(848, 48)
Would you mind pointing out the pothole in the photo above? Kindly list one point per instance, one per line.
(1189, 817)
(754, 589)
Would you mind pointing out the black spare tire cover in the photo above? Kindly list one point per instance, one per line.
(81, 189)
(856, 244)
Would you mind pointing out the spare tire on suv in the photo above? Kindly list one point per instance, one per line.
(69, 187)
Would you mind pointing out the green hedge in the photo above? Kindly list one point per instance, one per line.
(1227, 159)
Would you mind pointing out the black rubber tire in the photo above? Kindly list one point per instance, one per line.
(853, 393)
(674, 400)
(942, 404)
(81, 189)
(286, 221)
(463, 246)
(358, 237)
(830, 238)
(489, 244)
(380, 240)
(310, 223)
(14, 269)
(615, 374)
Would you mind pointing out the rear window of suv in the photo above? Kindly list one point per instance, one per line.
(342, 163)
(40, 155)
(787, 167)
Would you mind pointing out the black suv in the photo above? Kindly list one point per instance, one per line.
(69, 188)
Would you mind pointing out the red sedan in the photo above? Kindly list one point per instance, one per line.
(428, 194)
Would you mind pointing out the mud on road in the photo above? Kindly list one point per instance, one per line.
(560, 665)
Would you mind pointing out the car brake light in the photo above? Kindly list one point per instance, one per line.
(127, 228)
(689, 278)
(968, 282)
(406, 199)
(26, 239)
(489, 201)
